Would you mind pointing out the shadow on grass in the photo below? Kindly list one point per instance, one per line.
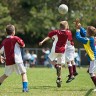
(54, 88)
(57, 89)
(42, 87)
(10, 92)
(88, 92)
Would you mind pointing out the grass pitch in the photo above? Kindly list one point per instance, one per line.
(42, 82)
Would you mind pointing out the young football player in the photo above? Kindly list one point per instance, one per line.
(87, 38)
(69, 57)
(10, 47)
(57, 52)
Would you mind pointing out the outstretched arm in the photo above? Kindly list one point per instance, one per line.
(45, 39)
(78, 26)
(81, 39)
(82, 32)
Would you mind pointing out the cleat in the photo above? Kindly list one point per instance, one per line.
(25, 90)
(58, 83)
(75, 74)
(70, 79)
(68, 76)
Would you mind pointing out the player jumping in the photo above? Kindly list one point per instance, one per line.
(87, 38)
(69, 57)
(58, 48)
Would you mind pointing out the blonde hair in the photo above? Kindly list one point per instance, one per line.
(64, 25)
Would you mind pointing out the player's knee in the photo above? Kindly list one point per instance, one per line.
(92, 74)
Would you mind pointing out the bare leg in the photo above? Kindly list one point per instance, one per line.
(2, 78)
(24, 77)
(58, 70)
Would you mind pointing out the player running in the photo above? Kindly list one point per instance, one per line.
(10, 47)
(58, 48)
(89, 45)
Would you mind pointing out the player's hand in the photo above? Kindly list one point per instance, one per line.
(77, 23)
(40, 43)
(2, 59)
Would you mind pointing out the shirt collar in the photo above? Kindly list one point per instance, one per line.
(8, 36)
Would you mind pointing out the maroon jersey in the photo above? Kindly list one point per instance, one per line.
(61, 37)
(11, 49)
(70, 38)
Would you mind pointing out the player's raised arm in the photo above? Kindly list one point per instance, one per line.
(80, 38)
(77, 22)
(80, 33)
(45, 39)
(78, 26)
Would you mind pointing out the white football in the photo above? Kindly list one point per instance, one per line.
(63, 9)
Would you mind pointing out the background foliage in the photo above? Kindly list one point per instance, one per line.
(35, 18)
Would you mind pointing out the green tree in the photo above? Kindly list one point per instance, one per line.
(35, 18)
(5, 18)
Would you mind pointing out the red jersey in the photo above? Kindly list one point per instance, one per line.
(61, 37)
(70, 38)
(11, 49)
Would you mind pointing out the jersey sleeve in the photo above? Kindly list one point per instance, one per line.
(20, 41)
(70, 36)
(81, 39)
(52, 33)
(83, 32)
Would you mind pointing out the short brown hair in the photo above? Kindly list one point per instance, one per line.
(10, 29)
(91, 30)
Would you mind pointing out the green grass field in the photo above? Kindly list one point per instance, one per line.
(42, 82)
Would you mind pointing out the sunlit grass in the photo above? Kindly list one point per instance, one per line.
(42, 82)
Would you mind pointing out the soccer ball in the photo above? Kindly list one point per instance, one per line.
(63, 9)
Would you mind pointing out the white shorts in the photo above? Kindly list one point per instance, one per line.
(19, 68)
(59, 56)
(92, 68)
(69, 54)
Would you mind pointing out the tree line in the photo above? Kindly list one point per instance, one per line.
(35, 18)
